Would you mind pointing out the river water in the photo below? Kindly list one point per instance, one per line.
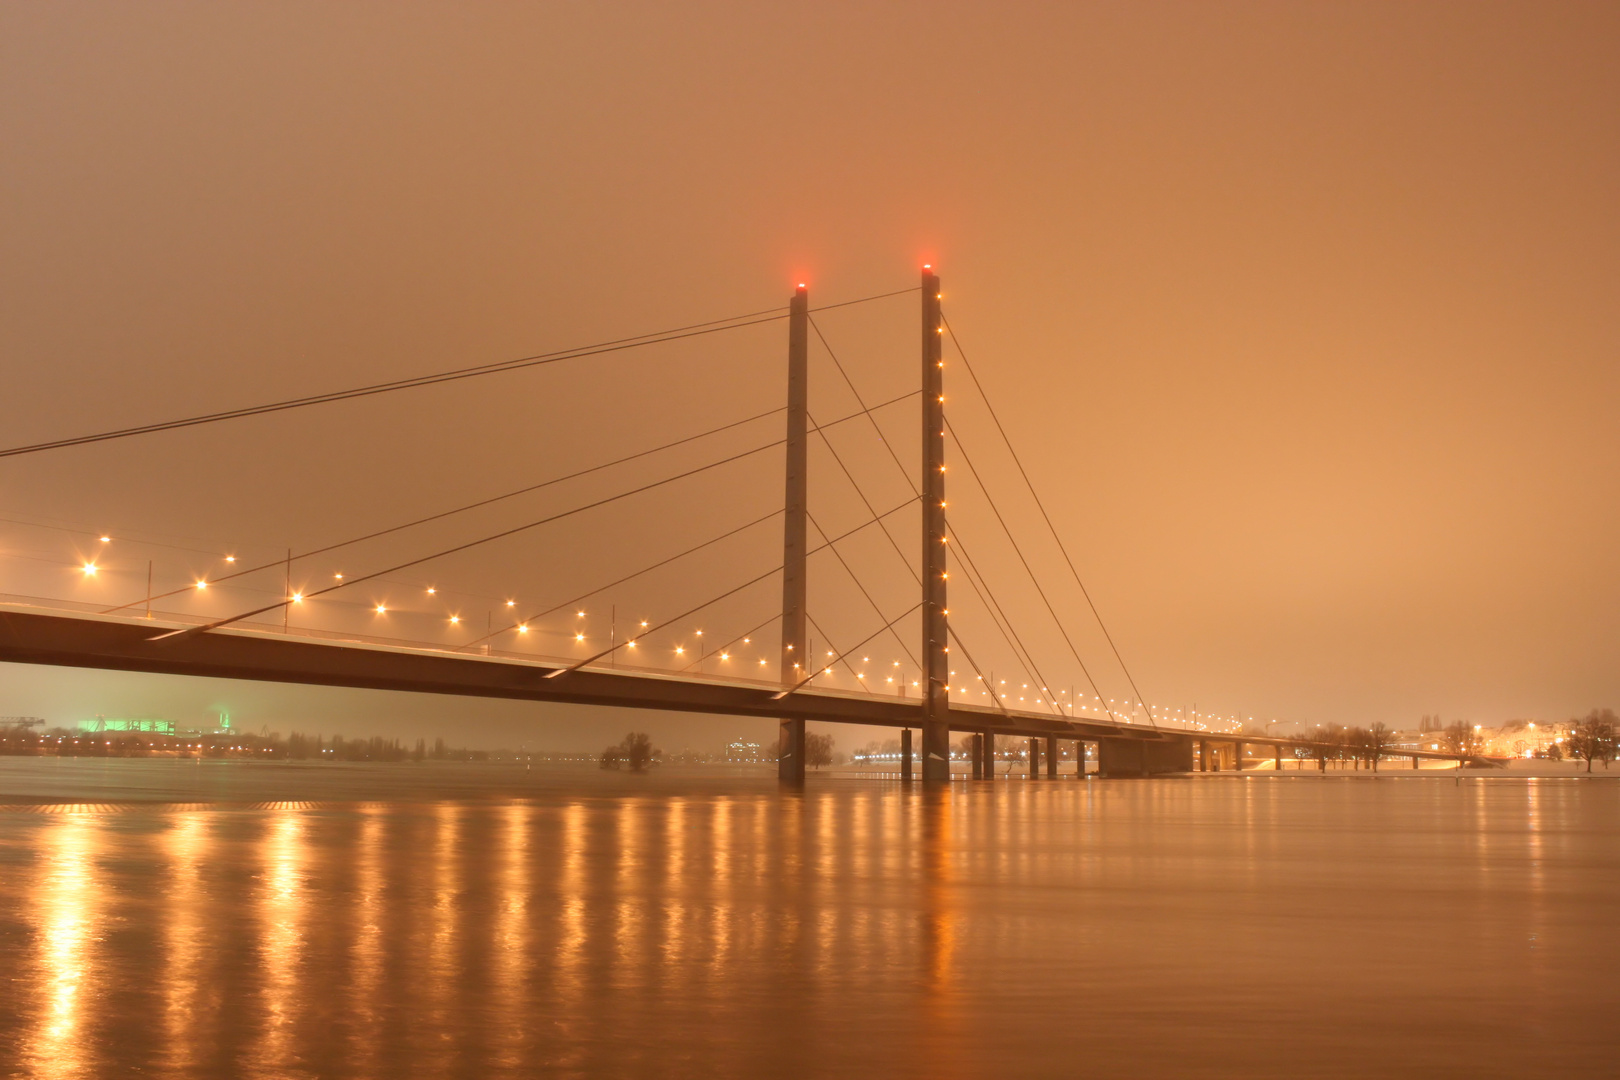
(228, 919)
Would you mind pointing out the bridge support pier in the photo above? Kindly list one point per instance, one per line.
(1414, 761)
(1051, 757)
(1034, 759)
(790, 751)
(1237, 757)
(976, 752)
(905, 755)
(1277, 753)
(1118, 757)
(1203, 755)
(989, 755)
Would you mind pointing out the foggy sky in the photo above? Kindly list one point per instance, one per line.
(1302, 316)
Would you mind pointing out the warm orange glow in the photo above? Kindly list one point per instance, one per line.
(381, 610)
(89, 569)
(202, 584)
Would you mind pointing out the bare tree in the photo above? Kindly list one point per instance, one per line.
(1460, 738)
(1593, 738)
(818, 750)
(1378, 738)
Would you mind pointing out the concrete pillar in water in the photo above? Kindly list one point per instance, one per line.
(1034, 759)
(905, 754)
(1203, 756)
(1051, 757)
(977, 753)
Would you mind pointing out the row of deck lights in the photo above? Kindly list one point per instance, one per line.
(90, 569)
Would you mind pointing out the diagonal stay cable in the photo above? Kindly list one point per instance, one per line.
(458, 510)
(998, 615)
(693, 330)
(867, 412)
(957, 344)
(825, 441)
(695, 548)
(1023, 658)
(485, 502)
(518, 364)
(838, 654)
(346, 582)
(995, 697)
(720, 650)
(1019, 551)
(716, 599)
(800, 684)
(859, 585)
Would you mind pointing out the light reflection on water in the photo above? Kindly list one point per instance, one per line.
(1257, 927)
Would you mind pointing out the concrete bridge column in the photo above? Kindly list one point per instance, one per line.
(1034, 759)
(1237, 756)
(1414, 761)
(1276, 752)
(1051, 757)
(976, 752)
(905, 754)
(1203, 756)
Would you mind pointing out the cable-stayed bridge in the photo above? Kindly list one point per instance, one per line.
(282, 619)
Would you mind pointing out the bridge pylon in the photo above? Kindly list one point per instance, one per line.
(795, 531)
(936, 732)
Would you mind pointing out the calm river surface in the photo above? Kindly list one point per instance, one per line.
(261, 920)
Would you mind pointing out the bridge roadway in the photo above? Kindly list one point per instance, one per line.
(31, 634)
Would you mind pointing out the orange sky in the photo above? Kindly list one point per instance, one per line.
(1304, 315)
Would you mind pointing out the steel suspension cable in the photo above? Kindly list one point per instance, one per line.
(486, 502)
(458, 510)
(800, 684)
(729, 592)
(859, 585)
(838, 654)
(998, 614)
(346, 582)
(720, 650)
(878, 431)
(628, 577)
(977, 479)
(957, 344)
(713, 326)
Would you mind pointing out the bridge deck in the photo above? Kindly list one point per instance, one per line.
(36, 635)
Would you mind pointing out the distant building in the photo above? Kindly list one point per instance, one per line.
(103, 723)
(749, 752)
